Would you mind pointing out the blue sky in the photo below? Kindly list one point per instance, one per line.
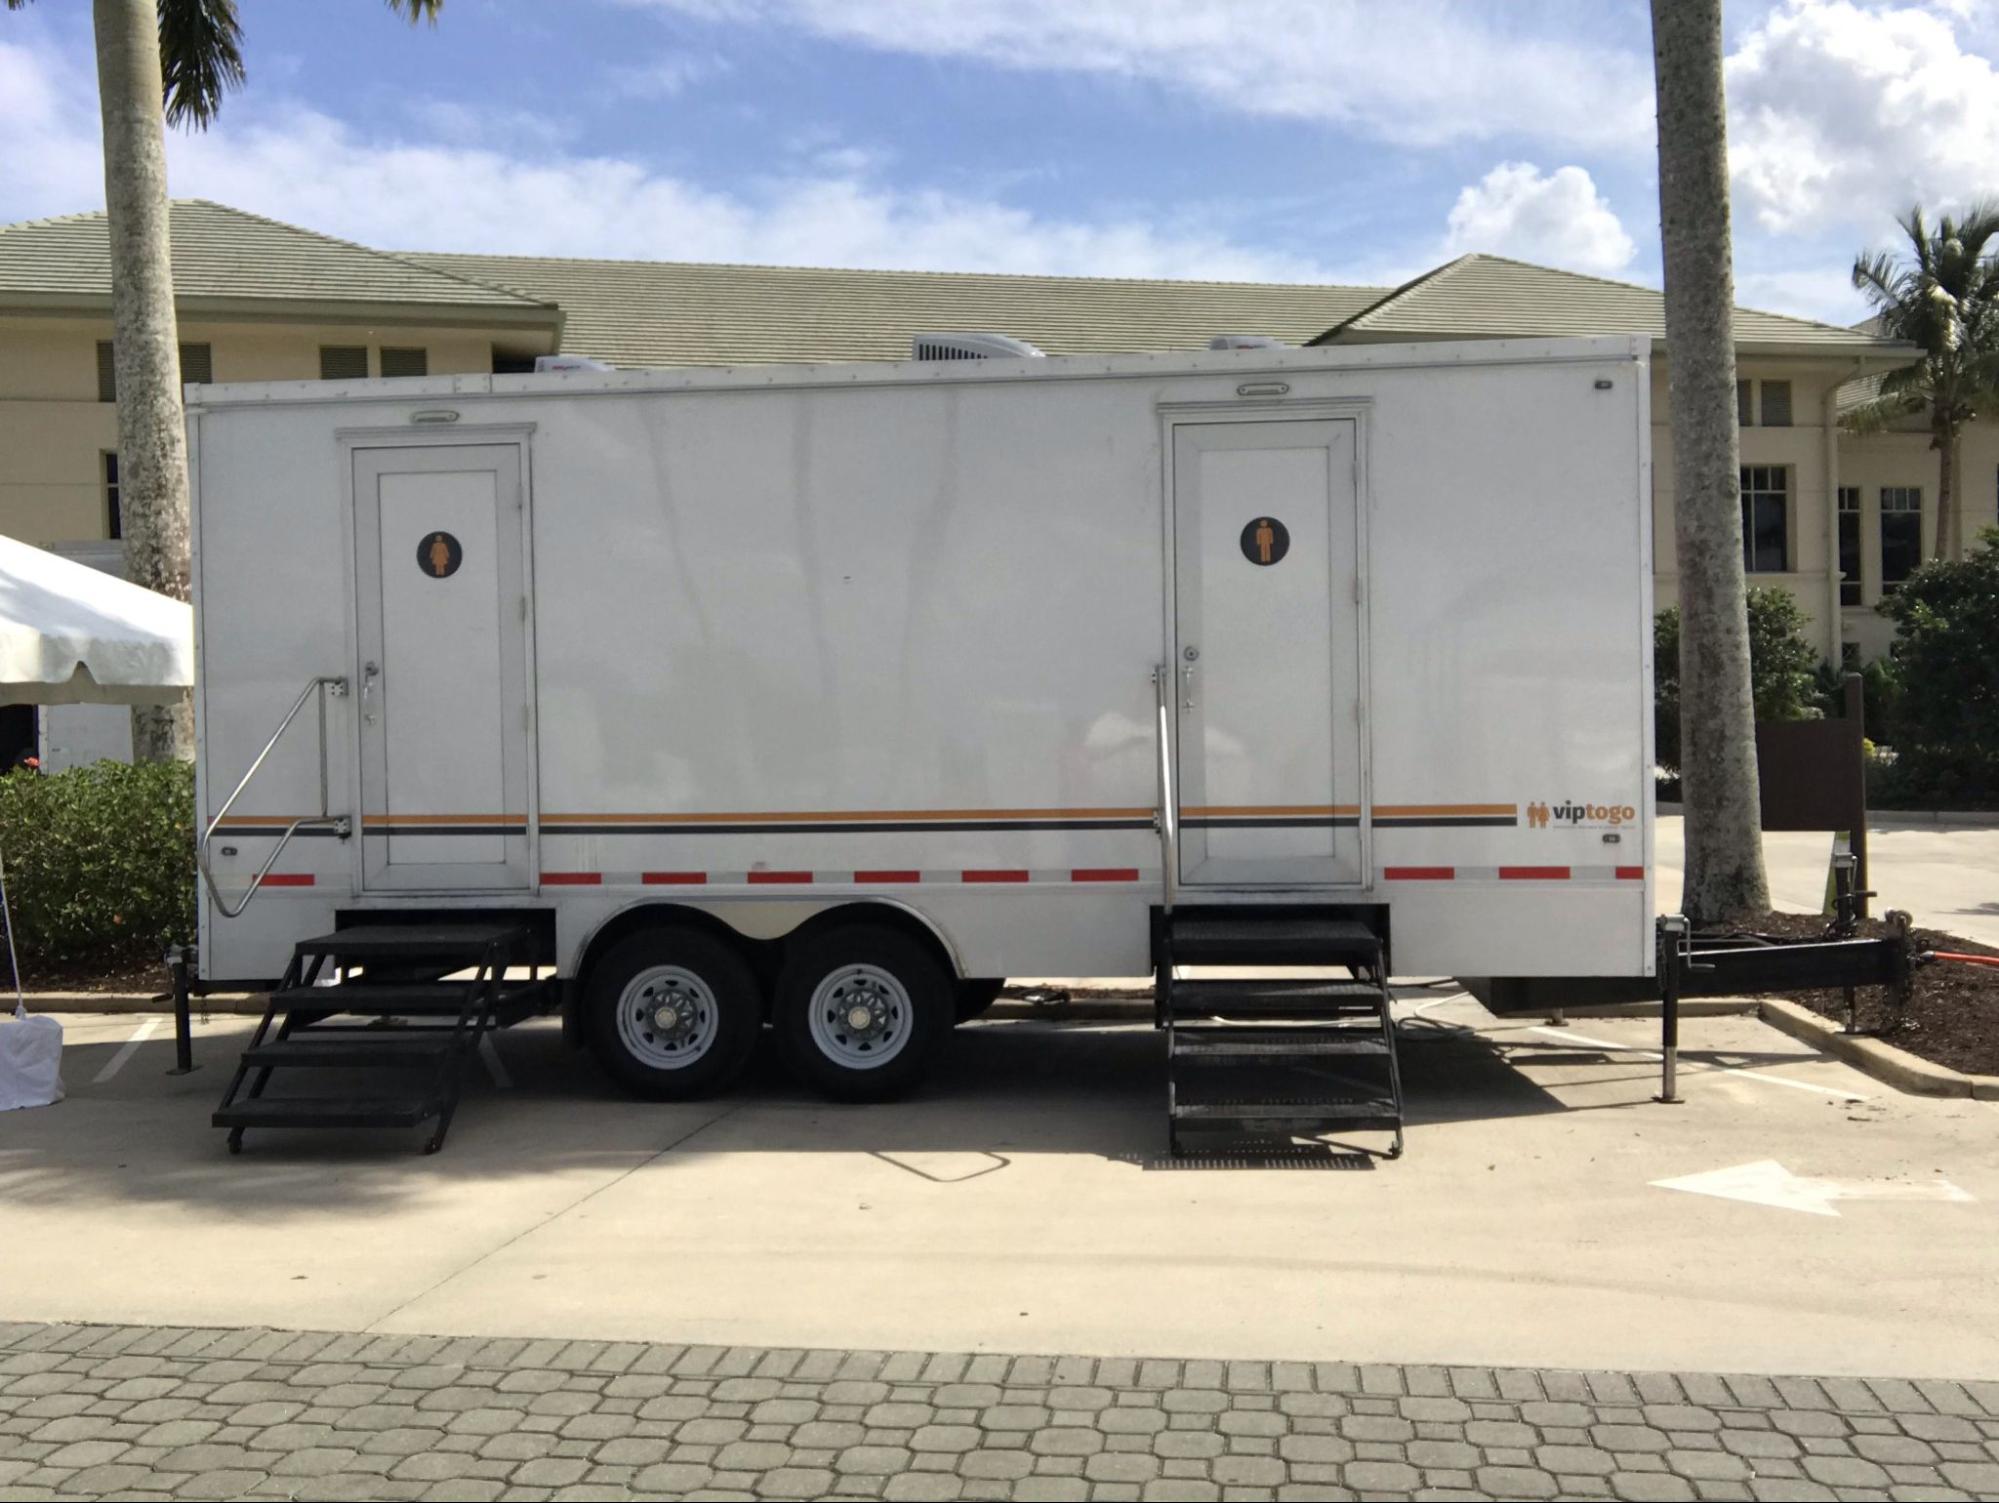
(1324, 140)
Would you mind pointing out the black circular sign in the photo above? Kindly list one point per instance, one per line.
(1265, 541)
(439, 555)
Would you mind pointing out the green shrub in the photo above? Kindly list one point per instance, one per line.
(100, 860)
(1880, 697)
(1946, 619)
(1783, 668)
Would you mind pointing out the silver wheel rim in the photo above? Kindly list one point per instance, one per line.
(668, 1017)
(861, 1017)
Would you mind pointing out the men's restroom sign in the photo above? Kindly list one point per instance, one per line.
(439, 555)
(1265, 541)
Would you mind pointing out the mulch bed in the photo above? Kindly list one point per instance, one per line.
(1953, 1017)
(142, 975)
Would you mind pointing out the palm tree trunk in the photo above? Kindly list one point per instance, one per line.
(1946, 538)
(152, 432)
(1724, 861)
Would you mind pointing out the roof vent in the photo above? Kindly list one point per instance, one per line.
(569, 363)
(971, 346)
(1248, 342)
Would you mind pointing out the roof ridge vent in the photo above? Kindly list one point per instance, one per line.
(971, 345)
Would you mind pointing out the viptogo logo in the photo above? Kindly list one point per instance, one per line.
(1579, 816)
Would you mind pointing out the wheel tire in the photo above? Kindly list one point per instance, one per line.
(830, 977)
(701, 977)
(975, 994)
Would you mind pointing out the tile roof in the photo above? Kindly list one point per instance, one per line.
(220, 253)
(655, 313)
(1480, 296)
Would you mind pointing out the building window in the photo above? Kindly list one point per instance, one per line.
(1849, 544)
(1901, 533)
(1744, 398)
(343, 362)
(114, 517)
(1776, 404)
(405, 362)
(1766, 519)
(196, 366)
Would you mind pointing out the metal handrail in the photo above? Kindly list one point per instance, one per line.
(321, 821)
(1168, 817)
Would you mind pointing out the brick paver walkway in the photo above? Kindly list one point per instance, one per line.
(159, 1412)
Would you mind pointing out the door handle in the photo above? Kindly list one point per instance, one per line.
(369, 674)
(1187, 687)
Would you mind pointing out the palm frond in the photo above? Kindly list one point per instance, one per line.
(201, 58)
(1878, 413)
(417, 10)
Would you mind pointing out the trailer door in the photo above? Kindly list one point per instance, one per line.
(1267, 647)
(442, 676)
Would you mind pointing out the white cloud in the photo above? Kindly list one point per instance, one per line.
(668, 75)
(1419, 72)
(1557, 219)
(535, 197)
(1842, 114)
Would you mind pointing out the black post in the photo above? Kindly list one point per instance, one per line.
(1671, 931)
(1857, 829)
(183, 959)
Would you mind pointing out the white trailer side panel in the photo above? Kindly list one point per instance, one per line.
(802, 637)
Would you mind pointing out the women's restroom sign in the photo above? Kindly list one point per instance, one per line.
(1265, 541)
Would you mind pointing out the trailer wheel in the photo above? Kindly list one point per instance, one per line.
(975, 994)
(859, 1010)
(673, 1013)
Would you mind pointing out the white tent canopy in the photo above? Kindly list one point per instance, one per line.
(70, 634)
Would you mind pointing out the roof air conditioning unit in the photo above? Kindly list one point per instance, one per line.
(972, 346)
(569, 363)
(1248, 342)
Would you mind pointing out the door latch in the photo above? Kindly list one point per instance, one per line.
(369, 673)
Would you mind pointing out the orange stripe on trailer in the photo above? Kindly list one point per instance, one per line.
(1104, 874)
(286, 879)
(904, 876)
(767, 878)
(1631, 874)
(1407, 811)
(673, 879)
(571, 879)
(1533, 874)
(1419, 873)
(1209, 811)
(1008, 874)
(418, 820)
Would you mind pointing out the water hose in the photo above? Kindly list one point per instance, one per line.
(1991, 960)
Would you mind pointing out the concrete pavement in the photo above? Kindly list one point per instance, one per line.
(1947, 876)
(1023, 1204)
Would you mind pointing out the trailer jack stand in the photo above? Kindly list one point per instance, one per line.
(1673, 946)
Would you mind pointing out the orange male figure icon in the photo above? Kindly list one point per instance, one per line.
(1266, 538)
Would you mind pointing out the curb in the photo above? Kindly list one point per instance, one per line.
(1886, 1063)
(236, 1003)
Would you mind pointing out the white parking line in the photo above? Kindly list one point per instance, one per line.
(145, 1030)
(1643, 1053)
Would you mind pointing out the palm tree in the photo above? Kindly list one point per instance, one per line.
(1724, 879)
(159, 62)
(1944, 299)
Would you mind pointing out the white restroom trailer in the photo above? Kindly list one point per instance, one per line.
(948, 670)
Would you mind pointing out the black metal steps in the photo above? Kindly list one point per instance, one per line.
(1268, 1058)
(1260, 937)
(297, 1033)
(412, 1000)
(329, 1111)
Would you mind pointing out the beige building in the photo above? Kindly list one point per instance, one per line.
(1835, 518)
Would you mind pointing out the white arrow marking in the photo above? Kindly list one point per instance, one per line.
(1769, 1183)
